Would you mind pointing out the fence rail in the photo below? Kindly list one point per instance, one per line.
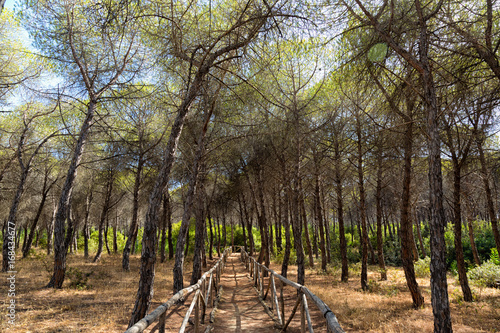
(205, 290)
(277, 303)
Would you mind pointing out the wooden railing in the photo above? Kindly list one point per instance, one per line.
(277, 304)
(205, 293)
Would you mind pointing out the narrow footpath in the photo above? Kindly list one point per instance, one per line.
(239, 309)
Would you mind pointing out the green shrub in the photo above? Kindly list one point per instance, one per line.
(486, 275)
(494, 256)
(422, 267)
(278, 258)
(78, 279)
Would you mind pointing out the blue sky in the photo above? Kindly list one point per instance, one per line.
(9, 4)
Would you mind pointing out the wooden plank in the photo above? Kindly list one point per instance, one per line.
(189, 311)
(307, 314)
(276, 303)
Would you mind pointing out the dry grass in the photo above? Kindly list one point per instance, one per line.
(107, 304)
(387, 306)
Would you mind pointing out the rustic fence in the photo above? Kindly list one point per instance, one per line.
(277, 303)
(206, 291)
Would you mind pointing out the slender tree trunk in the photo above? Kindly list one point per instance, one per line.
(45, 193)
(362, 208)
(224, 230)
(420, 239)
(211, 240)
(340, 212)
(169, 227)
(86, 235)
(11, 224)
(457, 221)
(470, 220)
(263, 221)
(378, 199)
(115, 234)
(319, 216)
(248, 224)
(50, 230)
(277, 225)
(184, 229)
(134, 225)
(104, 216)
(106, 229)
(199, 234)
(242, 222)
(217, 223)
(406, 233)
(439, 284)
(62, 208)
(489, 196)
(286, 224)
(305, 225)
(164, 223)
(326, 223)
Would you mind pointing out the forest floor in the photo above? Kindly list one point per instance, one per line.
(104, 302)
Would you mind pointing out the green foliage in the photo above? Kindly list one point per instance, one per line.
(78, 279)
(494, 256)
(377, 52)
(484, 239)
(392, 252)
(486, 275)
(94, 240)
(423, 267)
(278, 258)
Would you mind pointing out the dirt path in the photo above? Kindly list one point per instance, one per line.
(239, 309)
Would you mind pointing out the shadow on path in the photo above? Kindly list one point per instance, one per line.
(240, 309)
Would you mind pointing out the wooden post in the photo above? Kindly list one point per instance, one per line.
(305, 310)
(161, 325)
(275, 298)
(197, 316)
(282, 301)
(302, 314)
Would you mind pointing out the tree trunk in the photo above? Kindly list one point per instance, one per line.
(340, 212)
(199, 234)
(86, 235)
(12, 220)
(249, 224)
(263, 221)
(242, 222)
(305, 225)
(45, 193)
(50, 230)
(106, 229)
(470, 220)
(184, 229)
(420, 239)
(169, 227)
(319, 215)
(362, 207)
(132, 234)
(115, 234)
(439, 284)
(489, 196)
(457, 221)
(164, 222)
(378, 199)
(62, 208)
(406, 233)
(211, 240)
(104, 216)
